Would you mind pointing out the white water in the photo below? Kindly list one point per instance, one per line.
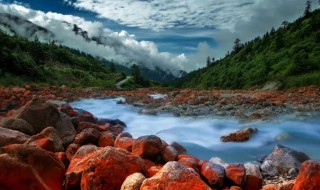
(201, 136)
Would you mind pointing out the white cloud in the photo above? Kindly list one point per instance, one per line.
(164, 14)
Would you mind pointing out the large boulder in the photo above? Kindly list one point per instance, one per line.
(213, 173)
(47, 139)
(108, 169)
(18, 125)
(29, 167)
(147, 147)
(239, 136)
(309, 176)
(133, 182)
(282, 159)
(174, 176)
(8, 136)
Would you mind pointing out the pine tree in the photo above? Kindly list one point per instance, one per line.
(237, 45)
(307, 10)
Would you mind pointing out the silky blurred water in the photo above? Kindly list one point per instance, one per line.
(201, 135)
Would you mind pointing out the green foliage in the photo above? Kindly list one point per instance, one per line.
(24, 61)
(290, 55)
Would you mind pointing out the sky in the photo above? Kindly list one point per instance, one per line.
(171, 34)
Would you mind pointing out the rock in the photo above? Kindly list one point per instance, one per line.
(282, 159)
(133, 182)
(65, 129)
(253, 183)
(85, 116)
(71, 150)
(147, 146)
(218, 161)
(235, 188)
(112, 122)
(288, 185)
(270, 187)
(87, 136)
(178, 147)
(29, 167)
(214, 174)
(109, 167)
(125, 143)
(62, 156)
(17, 125)
(253, 169)
(236, 173)
(8, 136)
(239, 136)
(190, 163)
(47, 139)
(309, 176)
(174, 176)
(153, 170)
(169, 154)
(106, 139)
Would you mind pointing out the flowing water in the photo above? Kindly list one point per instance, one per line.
(201, 135)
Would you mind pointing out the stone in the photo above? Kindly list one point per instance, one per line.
(169, 154)
(253, 183)
(17, 125)
(65, 129)
(8, 136)
(71, 150)
(253, 169)
(236, 173)
(174, 176)
(178, 147)
(190, 163)
(125, 143)
(239, 136)
(109, 167)
(106, 139)
(30, 167)
(47, 139)
(288, 185)
(235, 188)
(147, 147)
(214, 174)
(218, 161)
(309, 176)
(87, 136)
(153, 170)
(282, 159)
(133, 182)
(62, 156)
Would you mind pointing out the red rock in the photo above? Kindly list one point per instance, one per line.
(153, 170)
(174, 176)
(71, 150)
(190, 163)
(62, 156)
(169, 154)
(125, 143)
(236, 173)
(25, 165)
(147, 146)
(202, 162)
(106, 139)
(269, 187)
(239, 136)
(253, 183)
(87, 136)
(108, 169)
(213, 173)
(180, 156)
(86, 116)
(148, 163)
(178, 147)
(47, 139)
(8, 136)
(84, 125)
(308, 177)
(164, 144)
(235, 188)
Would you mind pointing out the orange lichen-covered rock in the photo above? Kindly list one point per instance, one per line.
(174, 176)
(190, 163)
(147, 146)
(108, 169)
(106, 139)
(236, 173)
(213, 173)
(309, 176)
(125, 143)
(26, 167)
(153, 170)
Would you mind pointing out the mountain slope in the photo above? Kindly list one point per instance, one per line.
(289, 55)
(23, 61)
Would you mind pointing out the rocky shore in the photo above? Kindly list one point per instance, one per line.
(49, 146)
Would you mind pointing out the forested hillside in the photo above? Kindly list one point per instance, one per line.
(289, 55)
(23, 61)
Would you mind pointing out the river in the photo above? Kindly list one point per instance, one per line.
(201, 135)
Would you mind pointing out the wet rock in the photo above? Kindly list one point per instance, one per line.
(214, 174)
(106, 139)
(169, 154)
(174, 176)
(109, 167)
(147, 147)
(282, 159)
(8, 136)
(47, 139)
(87, 136)
(25, 167)
(178, 147)
(239, 136)
(218, 161)
(85, 116)
(309, 176)
(112, 122)
(18, 125)
(236, 173)
(133, 182)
